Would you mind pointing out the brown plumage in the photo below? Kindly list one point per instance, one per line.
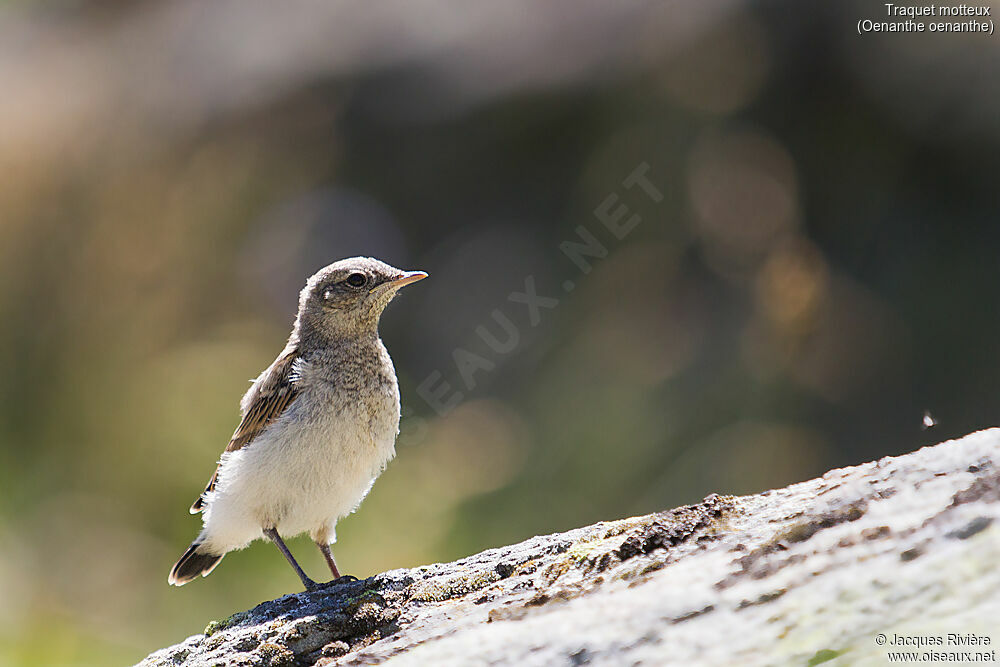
(272, 392)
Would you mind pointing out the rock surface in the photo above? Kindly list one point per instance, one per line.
(809, 574)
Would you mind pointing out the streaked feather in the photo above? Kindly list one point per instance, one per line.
(267, 399)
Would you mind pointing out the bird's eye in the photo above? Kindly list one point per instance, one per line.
(357, 280)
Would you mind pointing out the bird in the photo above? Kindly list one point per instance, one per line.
(317, 426)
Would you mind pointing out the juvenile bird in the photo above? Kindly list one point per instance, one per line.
(318, 426)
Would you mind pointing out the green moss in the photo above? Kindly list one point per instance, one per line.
(367, 602)
(580, 552)
(587, 551)
(215, 626)
(276, 655)
(821, 656)
(366, 595)
(445, 589)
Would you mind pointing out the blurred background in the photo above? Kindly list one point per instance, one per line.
(818, 269)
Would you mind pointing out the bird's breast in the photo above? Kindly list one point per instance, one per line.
(358, 422)
(348, 412)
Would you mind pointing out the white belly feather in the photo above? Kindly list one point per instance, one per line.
(304, 472)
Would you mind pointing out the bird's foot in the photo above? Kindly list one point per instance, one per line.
(343, 579)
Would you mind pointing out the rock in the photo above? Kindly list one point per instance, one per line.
(903, 549)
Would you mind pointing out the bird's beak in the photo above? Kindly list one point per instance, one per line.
(407, 278)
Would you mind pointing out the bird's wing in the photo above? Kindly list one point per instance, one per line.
(273, 391)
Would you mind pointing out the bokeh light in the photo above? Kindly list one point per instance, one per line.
(818, 268)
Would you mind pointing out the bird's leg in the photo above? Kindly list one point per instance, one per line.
(272, 534)
(328, 555)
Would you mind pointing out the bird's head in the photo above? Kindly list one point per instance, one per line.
(347, 297)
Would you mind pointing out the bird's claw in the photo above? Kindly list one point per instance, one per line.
(343, 579)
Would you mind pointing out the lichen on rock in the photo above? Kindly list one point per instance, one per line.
(808, 574)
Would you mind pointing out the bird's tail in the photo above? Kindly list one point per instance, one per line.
(195, 561)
